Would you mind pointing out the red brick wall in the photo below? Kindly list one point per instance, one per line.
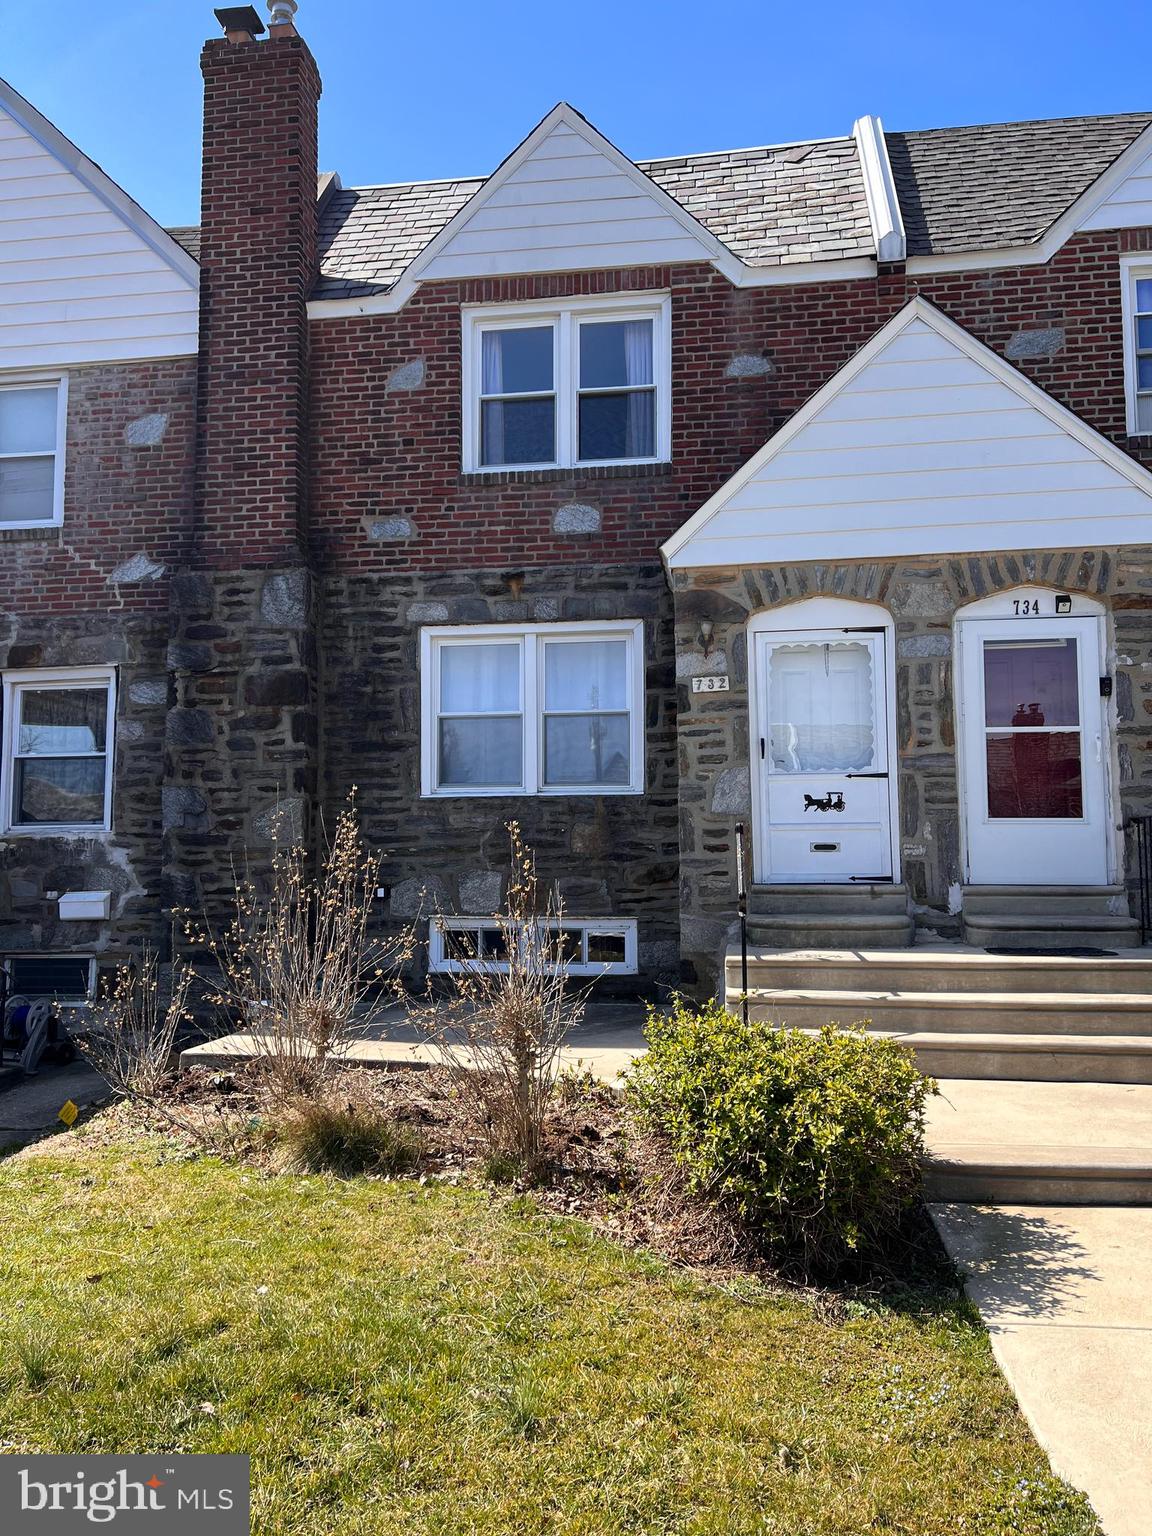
(258, 256)
(378, 454)
(119, 501)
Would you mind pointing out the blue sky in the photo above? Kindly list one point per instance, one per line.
(447, 88)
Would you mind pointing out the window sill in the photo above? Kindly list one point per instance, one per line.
(38, 533)
(476, 477)
(89, 831)
(527, 794)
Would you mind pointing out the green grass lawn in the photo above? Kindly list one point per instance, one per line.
(400, 1358)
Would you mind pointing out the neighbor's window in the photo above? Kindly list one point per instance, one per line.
(31, 454)
(1142, 352)
(58, 750)
(544, 709)
(580, 383)
(589, 946)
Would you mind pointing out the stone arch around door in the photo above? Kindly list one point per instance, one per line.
(1037, 763)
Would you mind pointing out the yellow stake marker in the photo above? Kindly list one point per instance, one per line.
(69, 1113)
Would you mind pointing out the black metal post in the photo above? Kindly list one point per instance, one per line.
(742, 907)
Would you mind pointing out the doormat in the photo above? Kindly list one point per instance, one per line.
(1060, 954)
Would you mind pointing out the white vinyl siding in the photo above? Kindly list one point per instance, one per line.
(540, 393)
(567, 207)
(77, 283)
(58, 750)
(540, 709)
(921, 446)
(1128, 206)
(600, 946)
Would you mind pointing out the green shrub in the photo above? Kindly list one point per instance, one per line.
(345, 1138)
(812, 1141)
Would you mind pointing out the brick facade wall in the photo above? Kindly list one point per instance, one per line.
(387, 457)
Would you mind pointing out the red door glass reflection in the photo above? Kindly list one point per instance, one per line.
(1031, 691)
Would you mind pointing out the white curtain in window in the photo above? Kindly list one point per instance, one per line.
(586, 675)
(480, 679)
(639, 435)
(492, 363)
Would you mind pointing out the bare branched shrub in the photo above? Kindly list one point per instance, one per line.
(297, 963)
(131, 1028)
(500, 1031)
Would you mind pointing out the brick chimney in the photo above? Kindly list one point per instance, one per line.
(241, 735)
(258, 262)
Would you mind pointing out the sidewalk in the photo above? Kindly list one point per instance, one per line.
(1066, 1293)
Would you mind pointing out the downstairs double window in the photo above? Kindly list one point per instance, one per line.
(540, 709)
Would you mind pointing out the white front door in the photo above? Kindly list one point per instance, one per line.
(1033, 740)
(822, 756)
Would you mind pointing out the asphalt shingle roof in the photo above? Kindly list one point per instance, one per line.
(960, 189)
(1000, 184)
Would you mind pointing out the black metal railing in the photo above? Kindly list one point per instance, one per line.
(1141, 830)
(742, 906)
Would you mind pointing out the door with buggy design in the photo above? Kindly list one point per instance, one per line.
(824, 801)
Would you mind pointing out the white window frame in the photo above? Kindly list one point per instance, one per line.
(63, 678)
(565, 316)
(531, 639)
(58, 382)
(440, 963)
(1132, 268)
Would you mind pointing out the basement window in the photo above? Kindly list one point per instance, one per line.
(65, 978)
(583, 382)
(32, 428)
(543, 709)
(590, 946)
(57, 765)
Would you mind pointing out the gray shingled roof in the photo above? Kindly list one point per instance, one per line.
(187, 235)
(960, 189)
(998, 184)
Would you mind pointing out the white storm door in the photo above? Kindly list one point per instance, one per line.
(1032, 724)
(822, 757)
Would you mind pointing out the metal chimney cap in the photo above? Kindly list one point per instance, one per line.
(282, 13)
(240, 18)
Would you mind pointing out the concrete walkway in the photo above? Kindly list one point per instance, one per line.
(32, 1105)
(1066, 1293)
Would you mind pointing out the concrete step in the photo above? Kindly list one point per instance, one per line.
(939, 968)
(863, 897)
(1026, 930)
(1046, 901)
(1031, 1058)
(1003, 1013)
(789, 930)
(1037, 1143)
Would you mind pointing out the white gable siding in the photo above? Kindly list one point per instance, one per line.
(921, 451)
(566, 207)
(77, 283)
(1129, 206)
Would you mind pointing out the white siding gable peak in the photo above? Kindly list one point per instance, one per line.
(926, 442)
(86, 276)
(1122, 197)
(566, 199)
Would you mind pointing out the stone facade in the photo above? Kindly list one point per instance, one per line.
(923, 596)
(606, 854)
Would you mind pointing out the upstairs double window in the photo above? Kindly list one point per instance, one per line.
(583, 382)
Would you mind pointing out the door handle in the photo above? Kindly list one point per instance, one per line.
(761, 749)
(866, 775)
(1099, 755)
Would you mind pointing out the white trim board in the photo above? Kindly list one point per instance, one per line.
(925, 442)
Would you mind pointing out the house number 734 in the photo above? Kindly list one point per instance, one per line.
(1026, 607)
